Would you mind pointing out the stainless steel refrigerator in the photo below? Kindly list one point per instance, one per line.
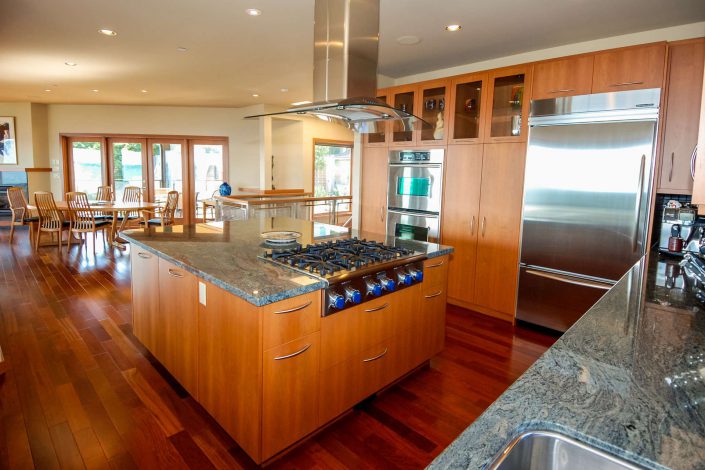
(587, 188)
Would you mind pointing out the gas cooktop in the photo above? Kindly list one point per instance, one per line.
(356, 270)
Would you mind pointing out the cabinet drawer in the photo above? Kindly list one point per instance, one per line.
(348, 333)
(351, 381)
(292, 318)
(630, 68)
(435, 272)
(564, 77)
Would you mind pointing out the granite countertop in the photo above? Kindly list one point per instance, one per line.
(226, 253)
(628, 377)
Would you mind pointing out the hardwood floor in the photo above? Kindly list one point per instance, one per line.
(81, 392)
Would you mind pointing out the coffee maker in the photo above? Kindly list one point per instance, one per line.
(682, 231)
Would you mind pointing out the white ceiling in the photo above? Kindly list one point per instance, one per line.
(231, 55)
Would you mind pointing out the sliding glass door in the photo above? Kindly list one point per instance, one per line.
(209, 170)
(128, 160)
(167, 159)
(86, 165)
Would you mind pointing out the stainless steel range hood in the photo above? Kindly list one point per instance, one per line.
(346, 40)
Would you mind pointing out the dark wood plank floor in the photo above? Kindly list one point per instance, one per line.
(81, 392)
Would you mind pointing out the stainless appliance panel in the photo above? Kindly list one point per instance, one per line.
(586, 196)
(416, 187)
(555, 300)
(413, 225)
(632, 102)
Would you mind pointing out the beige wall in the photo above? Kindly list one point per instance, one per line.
(162, 120)
(22, 113)
(693, 30)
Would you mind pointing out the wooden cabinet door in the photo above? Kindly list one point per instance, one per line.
(374, 190)
(680, 130)
(699, 182)
(176, 346)
(497, 263)
(563, 77)
(433, 321)
(461, 220)
(290, 390)
(405, 98)
(507, 109)
(230, 365)
(630, 68)
(145, 296)
(468, 98)
(432, 106)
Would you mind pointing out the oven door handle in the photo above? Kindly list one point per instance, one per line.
(428, 215)
(420, 165)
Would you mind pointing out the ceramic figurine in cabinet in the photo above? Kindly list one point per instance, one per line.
(438, 132)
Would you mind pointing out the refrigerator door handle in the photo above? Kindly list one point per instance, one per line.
(569, 280)
(640, 190)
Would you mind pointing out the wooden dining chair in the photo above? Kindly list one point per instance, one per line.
(162, 216)
(105, 193)
(131, 194)
(19, 214)
(83, 220)
(51, 219)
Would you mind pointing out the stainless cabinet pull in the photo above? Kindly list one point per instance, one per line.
(670, 173)
(383, 306)
(376, 357)
(435, 265)
(289, 310)
(564, 90)
(570, 280)
(430, 296)
(175, 273)
(637, 209)
(143, 255)
(294, 354)
(484, 222)
(627, 83)
(472, 226)
(693, 158)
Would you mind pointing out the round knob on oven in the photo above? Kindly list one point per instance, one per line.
(387, 284)
(373, 288)
(417, 274)
(336, 300)
(404, 278)
(353, 295)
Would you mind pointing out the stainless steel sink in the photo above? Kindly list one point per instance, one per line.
(545, 450)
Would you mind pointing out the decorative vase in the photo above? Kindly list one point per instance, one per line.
(225, 189)
(438, 131)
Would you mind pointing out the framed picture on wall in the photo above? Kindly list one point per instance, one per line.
(8, 151)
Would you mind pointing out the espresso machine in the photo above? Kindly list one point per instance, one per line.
(682, 231)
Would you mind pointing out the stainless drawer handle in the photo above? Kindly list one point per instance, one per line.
(376, 357)
(143, 255)
(435, 265)
(385, 305)
(577, 282)
(294, 354)
(430, 296)
(289, 310)
(565, 90)
(175, 273)
(670, 173)
(627, 83)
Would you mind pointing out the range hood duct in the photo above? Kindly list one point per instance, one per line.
(345, 52)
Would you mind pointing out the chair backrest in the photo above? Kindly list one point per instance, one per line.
(105, 193)
(50, 217)
(132, 194)
(172, 201)
(82, 218)
(18, 205)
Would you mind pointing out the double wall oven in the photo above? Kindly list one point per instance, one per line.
(414, 194)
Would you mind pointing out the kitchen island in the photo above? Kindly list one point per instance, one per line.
(247, 338)
(628, 378)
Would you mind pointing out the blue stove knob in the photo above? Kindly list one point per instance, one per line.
(404, 278)
(353, 295)
(373, 288)
(336, 300)
(417, 274)
(387, 284)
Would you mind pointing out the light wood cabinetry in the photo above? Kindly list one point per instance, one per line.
(379, 139)
(433, 105)
(507, 110)
(629, 68)
(699, 182)
(563, 77)
(176, 345)
(373, 201)
(145, 304)
(289, 391)
(404, 98)
(291, 319)
(467, 102)
(682, 115)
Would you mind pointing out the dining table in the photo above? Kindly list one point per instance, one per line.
(115, 209)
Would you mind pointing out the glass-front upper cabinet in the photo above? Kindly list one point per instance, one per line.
(403, 98)
(468, 97)
(433, 109)
(378, 139)
(509, 110)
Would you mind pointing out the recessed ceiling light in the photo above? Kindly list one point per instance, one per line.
(299, 103)
(181, 49)
(283, 90)
(408, 40)
(71, 64)
(143, 91)
(453, 27)
(47, 90)
(255, 95)
(253, 12)
(95, 90)
(107, 32)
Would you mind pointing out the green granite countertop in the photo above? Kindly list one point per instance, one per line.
(628, 378)
(226, 253)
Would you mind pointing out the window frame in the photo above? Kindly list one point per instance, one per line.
(330, 143)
